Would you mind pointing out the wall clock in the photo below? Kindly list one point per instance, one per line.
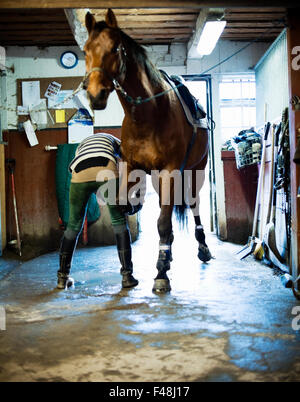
(69, 59)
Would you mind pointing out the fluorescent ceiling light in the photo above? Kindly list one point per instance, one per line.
(209, 37)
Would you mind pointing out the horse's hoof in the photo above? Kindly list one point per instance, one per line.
(161, 286)
(204, 253)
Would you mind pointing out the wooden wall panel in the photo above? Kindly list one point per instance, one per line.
(2, 197)
(293, 39)
(240, 194)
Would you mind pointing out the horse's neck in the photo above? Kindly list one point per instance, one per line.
(137, 84)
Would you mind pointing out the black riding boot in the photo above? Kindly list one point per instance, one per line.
(124, 251)
(65, 260)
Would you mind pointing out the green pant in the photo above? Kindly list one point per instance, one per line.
(78, 199)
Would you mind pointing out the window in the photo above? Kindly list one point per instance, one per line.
(237, 105)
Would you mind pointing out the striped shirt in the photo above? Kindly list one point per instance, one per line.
(98, 145)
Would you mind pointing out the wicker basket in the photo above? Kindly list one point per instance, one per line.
(247, 152)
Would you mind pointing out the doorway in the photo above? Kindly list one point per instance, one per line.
(200, 87)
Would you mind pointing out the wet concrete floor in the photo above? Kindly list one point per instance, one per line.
(227, 320)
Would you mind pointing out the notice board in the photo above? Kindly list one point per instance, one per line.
(67, 83)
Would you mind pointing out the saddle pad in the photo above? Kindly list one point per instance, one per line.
(195, 123)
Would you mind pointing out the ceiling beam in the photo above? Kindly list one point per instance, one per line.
(143, 11)
(193, 42)
(197, 4)
(78, 29)
(135, 18)
(252, 24)
(155, 31)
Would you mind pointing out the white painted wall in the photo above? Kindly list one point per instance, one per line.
(32, 62)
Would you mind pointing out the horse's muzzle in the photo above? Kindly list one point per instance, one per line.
(99, 102)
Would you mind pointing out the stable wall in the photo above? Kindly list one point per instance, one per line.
(293, 40)
(272, 98)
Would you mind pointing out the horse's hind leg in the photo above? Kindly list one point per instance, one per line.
(197, 183)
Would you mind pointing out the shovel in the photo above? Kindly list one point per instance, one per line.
(270, 234)
(249, 248)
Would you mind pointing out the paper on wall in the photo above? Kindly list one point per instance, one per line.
(53, 89)
(83, 102)
(30, 93)
(55, 103)
(29, 130)
(38, 114)
(60, 116)
(80, 126)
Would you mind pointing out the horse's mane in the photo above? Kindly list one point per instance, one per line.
(138, 53)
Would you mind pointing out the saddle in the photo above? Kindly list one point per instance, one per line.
(189, 102)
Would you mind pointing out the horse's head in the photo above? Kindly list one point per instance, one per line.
(104, 58)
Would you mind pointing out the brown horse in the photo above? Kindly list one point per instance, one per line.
(155, 132)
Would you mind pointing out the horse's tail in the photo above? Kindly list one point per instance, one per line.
(181, 209)
(181, 214)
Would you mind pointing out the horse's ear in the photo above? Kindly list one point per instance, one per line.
(89, 22)
(110, 19)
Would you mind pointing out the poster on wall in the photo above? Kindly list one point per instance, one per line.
(60, 101)
(80, 126)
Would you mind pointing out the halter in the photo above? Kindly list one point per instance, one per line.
(118, 87)
(100, 69)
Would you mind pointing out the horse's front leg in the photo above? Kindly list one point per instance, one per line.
(164, 225)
